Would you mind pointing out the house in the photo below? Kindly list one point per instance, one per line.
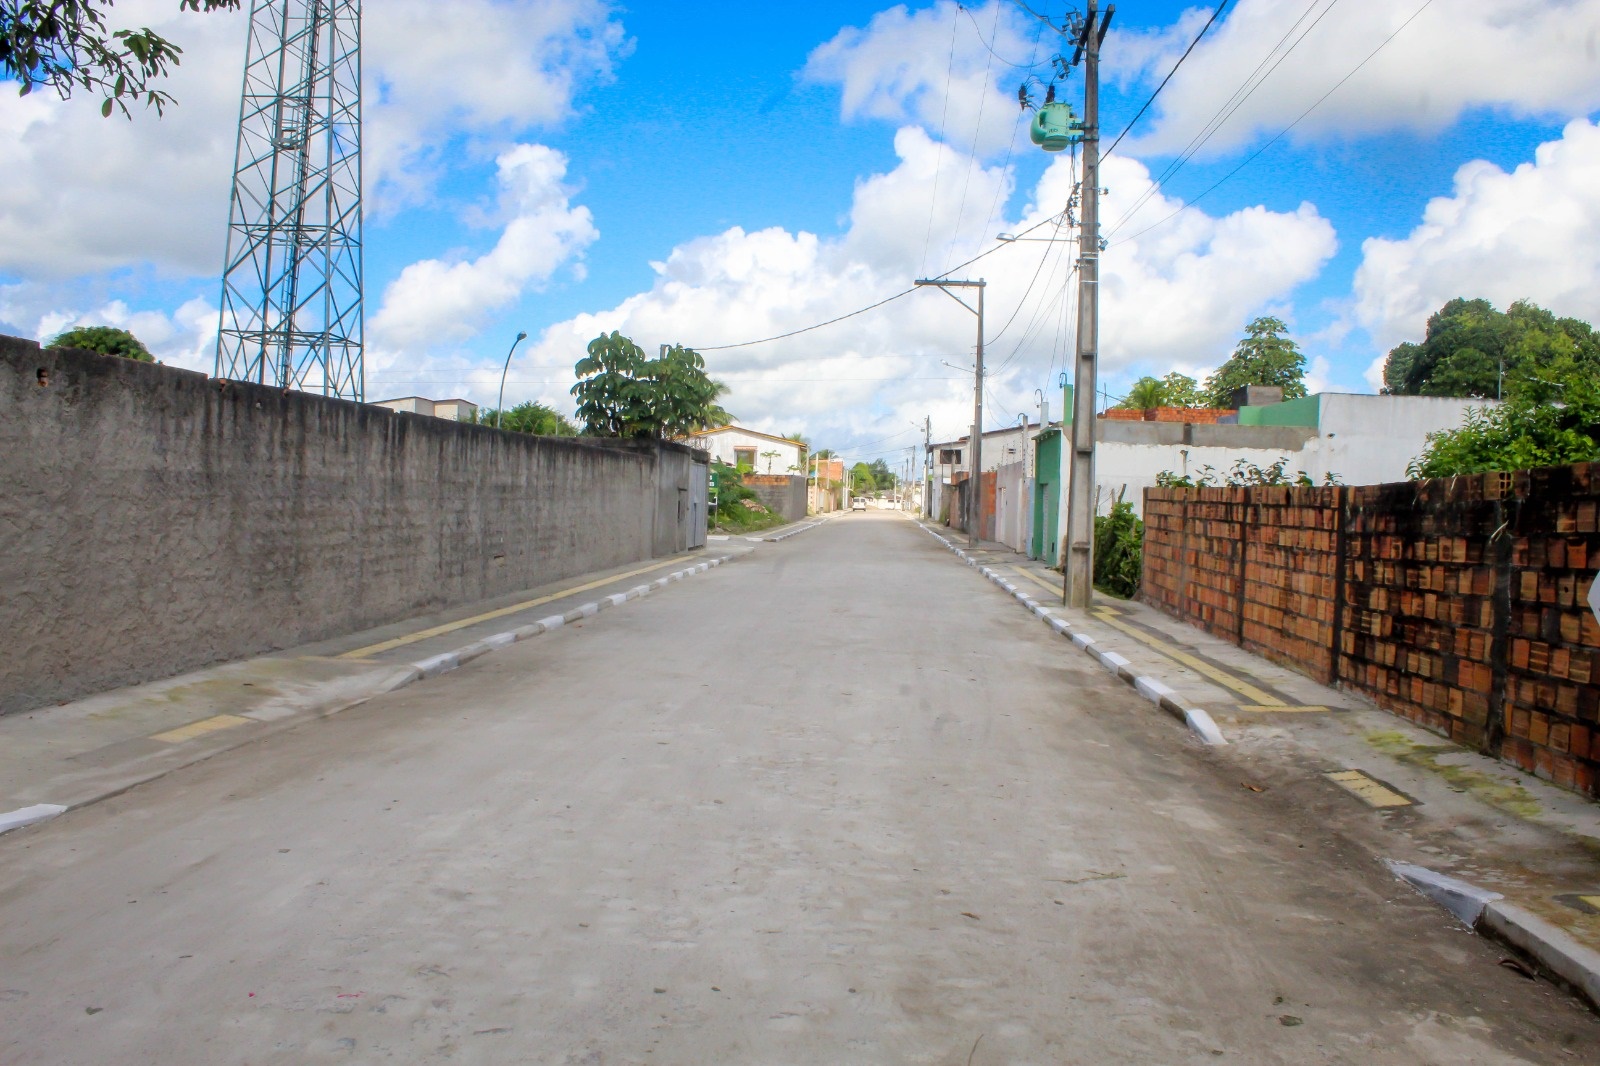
(456, 410)
(1359, 439)
(1008, 460)
(761, 453)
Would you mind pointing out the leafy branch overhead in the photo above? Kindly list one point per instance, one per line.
(69, 46)
(621, 393)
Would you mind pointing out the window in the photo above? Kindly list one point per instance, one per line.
(744, 457)
(949, 456)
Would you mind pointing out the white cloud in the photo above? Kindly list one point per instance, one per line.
(1527, 57)
(435, 302)
(186, 337)
(1174, 298)
(934, 67)
(85, 194)
(1533, 233)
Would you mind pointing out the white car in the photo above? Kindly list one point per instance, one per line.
(858, 504)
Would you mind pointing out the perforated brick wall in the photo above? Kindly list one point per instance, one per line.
(1458, 603)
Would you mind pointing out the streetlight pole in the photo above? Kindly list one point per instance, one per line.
(500, 404)
(975, 477)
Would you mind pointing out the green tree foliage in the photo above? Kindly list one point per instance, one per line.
(738, 509)
(69, 46)
(107, 340)
(1265, 356)
(862, 483)
(1530, 430)
(1174, 390)
(1119, 550)
(883, 479)
(621, 393)
(1468, 344)
(529, 417)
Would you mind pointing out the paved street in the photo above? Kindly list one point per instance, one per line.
(839, 801)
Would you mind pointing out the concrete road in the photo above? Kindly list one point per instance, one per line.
(838, 802)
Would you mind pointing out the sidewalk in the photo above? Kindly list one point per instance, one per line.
(1529, 849)
(57, 758)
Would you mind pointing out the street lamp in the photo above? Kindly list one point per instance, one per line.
(975, 449)
(500, 405)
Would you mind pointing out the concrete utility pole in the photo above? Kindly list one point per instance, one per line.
(1078, 589)
(975, 477)
(927, 467)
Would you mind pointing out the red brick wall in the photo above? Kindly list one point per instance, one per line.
(1194, 415)
(1459, 603)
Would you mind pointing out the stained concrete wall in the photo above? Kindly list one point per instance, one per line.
(156, 520)
(781, 494)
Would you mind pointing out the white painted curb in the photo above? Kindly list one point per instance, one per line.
(39, 812)
(1489, 914)
(1199, 722)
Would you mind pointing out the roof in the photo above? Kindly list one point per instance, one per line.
(741, 429)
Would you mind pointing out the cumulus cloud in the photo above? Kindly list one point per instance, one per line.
(186, 337)
(942, 67)
(1526, 57)
(1176, 297)
(434, 301)
(85, 194)
(1532, 233)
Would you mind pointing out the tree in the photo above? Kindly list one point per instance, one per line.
(1548, 422)
(621, 393)
(862, 482)
(1471, 349)
(1263, 357)
(68, 45)
(529, 417)
(107, 340)
(1181, 390)
(1146, 393)
(883, 479)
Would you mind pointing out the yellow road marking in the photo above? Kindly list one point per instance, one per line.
(1030, 574)
(1371, 792)
(1283, 709)
(200, 728)
(1260, 701)
(1256, 697)
(451, 627)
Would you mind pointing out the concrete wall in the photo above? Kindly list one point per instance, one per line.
(785, 495)
(1458, 603)
(156, 520)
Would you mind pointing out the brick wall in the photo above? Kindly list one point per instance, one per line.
(1459, 603)
(1203, 416)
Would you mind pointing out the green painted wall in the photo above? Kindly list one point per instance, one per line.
(1305, 411)
(1047, 496)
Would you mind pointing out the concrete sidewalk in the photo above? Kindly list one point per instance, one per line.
(57, 758)
(1531, 850)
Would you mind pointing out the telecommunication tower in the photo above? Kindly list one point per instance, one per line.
(291, 278)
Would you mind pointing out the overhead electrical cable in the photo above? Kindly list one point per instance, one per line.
(1030, 65)
(1146, 106)
(869, 307)
(1280, 134)
(944, 111)
(977, 132)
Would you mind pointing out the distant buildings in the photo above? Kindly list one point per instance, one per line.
(455, 410)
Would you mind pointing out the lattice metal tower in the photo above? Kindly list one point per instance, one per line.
(291, 279)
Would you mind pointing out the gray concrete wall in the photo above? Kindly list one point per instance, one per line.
(780, 493)
(155, 520)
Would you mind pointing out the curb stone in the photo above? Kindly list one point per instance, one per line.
(408, 673)
(1198, 721)
(1488, 914)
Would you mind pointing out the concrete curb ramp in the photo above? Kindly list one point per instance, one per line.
(1198, 721)
(1487, 913)
(786, 534)
(339, 699)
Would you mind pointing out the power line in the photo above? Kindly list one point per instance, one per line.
(1280, 134)
(1134, 121)
(944, 111)
(869, 307)
(1030, 65)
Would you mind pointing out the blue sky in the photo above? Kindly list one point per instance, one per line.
(713, 173)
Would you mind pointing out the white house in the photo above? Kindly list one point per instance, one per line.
(455, 410)
(761, 452)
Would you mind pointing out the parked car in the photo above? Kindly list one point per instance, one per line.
(858, 504)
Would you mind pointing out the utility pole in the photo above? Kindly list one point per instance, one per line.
(927, 467)
(975, 477)
(1078, 584)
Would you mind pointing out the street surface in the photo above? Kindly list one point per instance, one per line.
(839, 801)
